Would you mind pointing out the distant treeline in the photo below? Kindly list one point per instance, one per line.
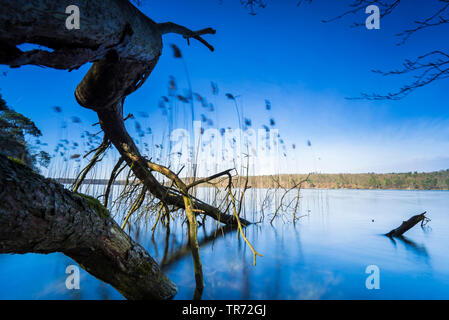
(88, 181)
(411, 180)
(438, 180)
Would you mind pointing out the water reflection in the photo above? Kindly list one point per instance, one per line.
(426, 229)
(184, 250)
(419, 250)
(322, 256)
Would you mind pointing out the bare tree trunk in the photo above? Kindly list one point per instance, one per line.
(38, 215)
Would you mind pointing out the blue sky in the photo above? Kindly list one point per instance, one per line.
(285, 54)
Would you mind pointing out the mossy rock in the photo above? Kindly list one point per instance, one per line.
(95, 205)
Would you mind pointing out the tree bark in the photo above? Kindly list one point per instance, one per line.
(407, 225)
(38, 215)
(105, 25)
(124, 46)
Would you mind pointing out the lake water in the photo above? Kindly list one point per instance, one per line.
(324, 255)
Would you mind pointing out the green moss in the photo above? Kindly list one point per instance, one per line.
(95, 205)
(18, 161)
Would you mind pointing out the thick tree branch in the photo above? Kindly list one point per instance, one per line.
(38, 215)
(122, 63)
(105, 25)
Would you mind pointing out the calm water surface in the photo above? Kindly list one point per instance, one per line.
(323, 256)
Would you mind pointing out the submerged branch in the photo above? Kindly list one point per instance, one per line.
(407, 225)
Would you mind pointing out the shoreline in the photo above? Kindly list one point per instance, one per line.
(308, 187)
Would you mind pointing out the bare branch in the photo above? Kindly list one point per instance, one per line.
(386, 8)
(170, 27)
(434, 20)
(425, 69)
(205, 180)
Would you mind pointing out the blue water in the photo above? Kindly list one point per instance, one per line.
(322, 256)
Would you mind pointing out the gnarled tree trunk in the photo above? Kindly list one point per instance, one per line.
(38, 215)
(124, 46)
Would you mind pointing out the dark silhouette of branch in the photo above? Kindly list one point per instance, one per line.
(386, 8)
(252, 4)
(425, 69)
(170, 27)
(434, 20)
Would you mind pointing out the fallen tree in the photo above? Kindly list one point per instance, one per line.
(38, 215)
(124, 46)
(407, 225)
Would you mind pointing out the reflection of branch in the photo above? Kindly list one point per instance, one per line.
(410, 245)
(185, 250)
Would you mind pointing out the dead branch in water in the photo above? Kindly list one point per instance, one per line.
(407, 225)
(236, 214)
(296, 186)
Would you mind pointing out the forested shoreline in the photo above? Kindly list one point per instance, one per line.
(437, 180)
